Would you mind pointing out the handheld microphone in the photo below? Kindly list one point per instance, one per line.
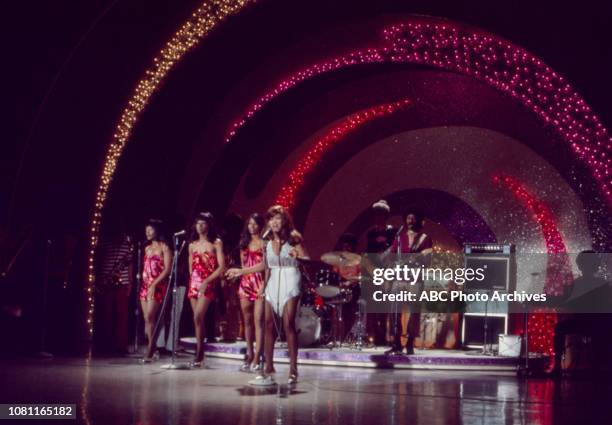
(180, 233)
(266, 233)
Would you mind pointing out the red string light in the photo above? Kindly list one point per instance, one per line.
(558, 270)
(287, 194)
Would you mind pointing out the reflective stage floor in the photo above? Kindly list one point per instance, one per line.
(374, 357)
(121, 391)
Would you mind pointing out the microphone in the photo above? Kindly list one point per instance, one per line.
(179, 233)
(266, 233)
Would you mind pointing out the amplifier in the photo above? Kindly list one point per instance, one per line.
(499, 264)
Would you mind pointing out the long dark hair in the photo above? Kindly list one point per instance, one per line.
(419, 216)
(287, 232)
(245, 237)
(158, 227)
(212, 233)
(346, 238)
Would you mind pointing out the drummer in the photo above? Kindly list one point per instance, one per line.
(350, 273)
(350, 281)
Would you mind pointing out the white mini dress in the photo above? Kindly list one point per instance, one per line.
(285, 276)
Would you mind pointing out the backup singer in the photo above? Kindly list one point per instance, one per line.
(283, 247)
(411, 241)
(251, 303)
(156, 268)
(206, 263)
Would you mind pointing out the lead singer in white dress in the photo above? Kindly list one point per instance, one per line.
(284, 277)
(282, 284)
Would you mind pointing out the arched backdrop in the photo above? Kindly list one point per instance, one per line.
(264, 98)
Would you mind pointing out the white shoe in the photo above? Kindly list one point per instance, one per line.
(293, 378)
(262, 381)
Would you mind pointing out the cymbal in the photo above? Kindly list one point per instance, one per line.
(351, 279)
(341, 258)
(309, 262)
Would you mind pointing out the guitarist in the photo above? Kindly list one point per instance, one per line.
(412, 240)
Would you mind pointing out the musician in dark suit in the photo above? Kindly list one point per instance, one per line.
(115, 274)
(586, 302)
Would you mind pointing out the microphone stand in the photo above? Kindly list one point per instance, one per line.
(396, 349)
(175, 322)
(486, 351)
(137, 293)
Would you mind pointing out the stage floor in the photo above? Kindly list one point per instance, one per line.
(375, 358)
(121, 391)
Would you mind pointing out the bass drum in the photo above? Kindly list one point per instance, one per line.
(308, 326)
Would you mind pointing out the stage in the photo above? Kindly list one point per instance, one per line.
(429, 359)
(431, 173)
(119, 390)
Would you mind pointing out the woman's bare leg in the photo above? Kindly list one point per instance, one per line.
(150, 308)
(259, 310)
(289, 312)
(199, 307)
(270, 337)
(246, 307)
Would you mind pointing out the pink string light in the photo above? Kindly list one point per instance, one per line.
(509, 68)
(287, 194)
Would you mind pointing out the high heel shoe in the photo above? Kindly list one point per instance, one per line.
(263, 381)
(246, 365)
(293, 378)
(147, 360)
(196, 364)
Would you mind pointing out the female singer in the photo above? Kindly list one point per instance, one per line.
(206, 263)
(282, 284)
(156, 268)
(251, 304)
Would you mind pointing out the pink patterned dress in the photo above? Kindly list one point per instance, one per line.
(153, 267)
(252, 282)
(203, 264)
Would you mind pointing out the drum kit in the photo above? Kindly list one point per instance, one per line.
(328, 285)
